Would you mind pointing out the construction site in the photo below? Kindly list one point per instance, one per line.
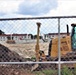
(46, 55)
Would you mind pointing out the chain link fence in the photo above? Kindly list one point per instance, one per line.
(18, 40)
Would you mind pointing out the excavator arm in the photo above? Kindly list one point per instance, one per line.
(37, 48)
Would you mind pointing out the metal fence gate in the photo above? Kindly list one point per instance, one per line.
(18, 57)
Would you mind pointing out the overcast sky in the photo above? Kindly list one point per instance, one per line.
(28, 8)
(36, 8)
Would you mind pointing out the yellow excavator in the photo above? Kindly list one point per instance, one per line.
(67, 46)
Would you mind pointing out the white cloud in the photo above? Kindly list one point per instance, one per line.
(65, 8)
(9, 6)
(13, 15)
(37, 7)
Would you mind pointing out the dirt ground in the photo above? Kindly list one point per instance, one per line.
(19, 53)
(14, 71)
(27, 50)
(24, 51)
(21, 70)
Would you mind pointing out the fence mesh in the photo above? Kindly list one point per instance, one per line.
(18, 42)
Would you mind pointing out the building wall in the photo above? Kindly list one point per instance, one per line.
(50, 36)
(16, 38)
(3, 38)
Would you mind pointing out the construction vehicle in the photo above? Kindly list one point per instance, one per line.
(67, 46)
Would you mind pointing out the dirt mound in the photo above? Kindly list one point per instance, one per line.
(6, 55)
(14, 70)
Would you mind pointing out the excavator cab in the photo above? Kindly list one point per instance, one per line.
(73, 37)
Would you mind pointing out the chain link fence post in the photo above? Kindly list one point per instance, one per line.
(59, 53)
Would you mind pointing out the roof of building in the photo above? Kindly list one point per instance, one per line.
(57, 33)
(13, 34)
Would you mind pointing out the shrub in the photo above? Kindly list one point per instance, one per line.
(66, 71)
(49, 72)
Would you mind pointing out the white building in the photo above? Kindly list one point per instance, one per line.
(16, 37)
(23, 38)
(53, 35)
